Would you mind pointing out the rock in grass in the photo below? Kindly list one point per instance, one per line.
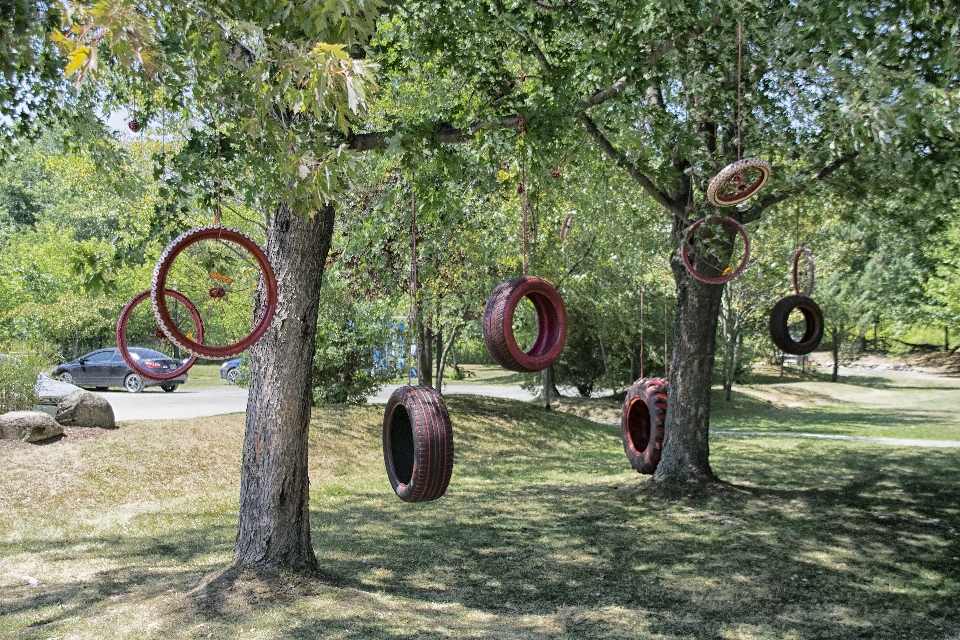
(28, 426)
(84, 409)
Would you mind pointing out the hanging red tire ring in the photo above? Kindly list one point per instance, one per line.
(230, 281)
(642, 422)
(140, 322)
(725, 277)
(780, 325)
(551, 324)
(417, 443)
(796, 270)
(738, 182)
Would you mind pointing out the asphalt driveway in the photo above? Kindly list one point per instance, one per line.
(184, 403)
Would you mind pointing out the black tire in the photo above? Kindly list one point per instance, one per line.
(417, 443)
(65, 377)
(641, 425)
(233, 375)
(169, 388)
(551, 324)
(779, 329)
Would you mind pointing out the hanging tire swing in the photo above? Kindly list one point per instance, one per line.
(131, 317)
(231, 282)
(417, 443)
(551, 324)
(812, 315)
(738, 182)
(642, 422)
(725, 276)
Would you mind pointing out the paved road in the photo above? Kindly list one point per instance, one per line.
(492, 390)
(184, 403)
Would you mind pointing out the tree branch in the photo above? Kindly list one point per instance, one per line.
(753, 213)
(620, 158)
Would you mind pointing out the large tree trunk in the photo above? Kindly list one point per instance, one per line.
(686, 447)
(274, 529)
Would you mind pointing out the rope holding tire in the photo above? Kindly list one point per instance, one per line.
(725, 277)
(551, 324)
(417, 443)
(738, 182)
(780, 328)
(642, 423)
(124, 320)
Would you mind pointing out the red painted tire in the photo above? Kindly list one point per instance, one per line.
(417, 443)
(551, 324)
(779, 327)
(688, 263)
(641, 425)
(207, 287)
(122, 335)
(738, 182)
(810, 274)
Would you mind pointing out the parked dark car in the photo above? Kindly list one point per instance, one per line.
(105, 368)
(230, 371)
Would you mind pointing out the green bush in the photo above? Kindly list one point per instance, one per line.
(19, 368)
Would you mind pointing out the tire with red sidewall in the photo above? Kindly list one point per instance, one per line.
(779, 327)
(417, 443)
(642, 422)
(551, 324)
(162, 313)
(122, 335)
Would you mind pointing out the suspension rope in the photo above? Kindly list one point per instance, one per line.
(412, 312)
(522, 189)
(739, 82)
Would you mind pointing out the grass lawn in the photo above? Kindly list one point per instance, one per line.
(544, 532)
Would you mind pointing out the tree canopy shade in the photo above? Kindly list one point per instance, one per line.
(271, 98)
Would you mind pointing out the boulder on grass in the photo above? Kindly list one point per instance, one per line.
(28, 426)
(84, 409)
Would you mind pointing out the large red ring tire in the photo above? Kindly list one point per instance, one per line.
(417, 443)
(551, 324)
(688, 263)
(642, 422)
(159, 282)
(810, 274)
(813, 319)
(730, 173)
(122, 335)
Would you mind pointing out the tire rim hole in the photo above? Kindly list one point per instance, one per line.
(800, 325)
(526, 325)
(401, 444)
(638, 425)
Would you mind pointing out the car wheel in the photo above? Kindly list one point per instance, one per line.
(65, 377)
(233, 375)
(169, 388)
(133, 383)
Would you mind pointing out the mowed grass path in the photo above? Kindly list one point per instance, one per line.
(545, 532)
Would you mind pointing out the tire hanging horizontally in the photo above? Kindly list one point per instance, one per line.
(551, 324)
(642, 423)
(779, 325)
(417, 443)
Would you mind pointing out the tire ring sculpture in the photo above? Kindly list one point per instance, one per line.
(642, 422)
(734, 173)
(122, 335)
(813, 320)
(417, 443)
(810, 274)
(159, 282)
(551, 324)
(688, 263)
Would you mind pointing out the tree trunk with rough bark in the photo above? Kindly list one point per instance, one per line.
(274, 528)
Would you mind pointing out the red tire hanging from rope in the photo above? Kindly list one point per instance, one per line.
(551, 324)
(190, 319)
(725, 277)
(642, 423)
(417, 443)
(229, 279)
(810, 274)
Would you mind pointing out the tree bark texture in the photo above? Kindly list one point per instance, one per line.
(274, 529)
